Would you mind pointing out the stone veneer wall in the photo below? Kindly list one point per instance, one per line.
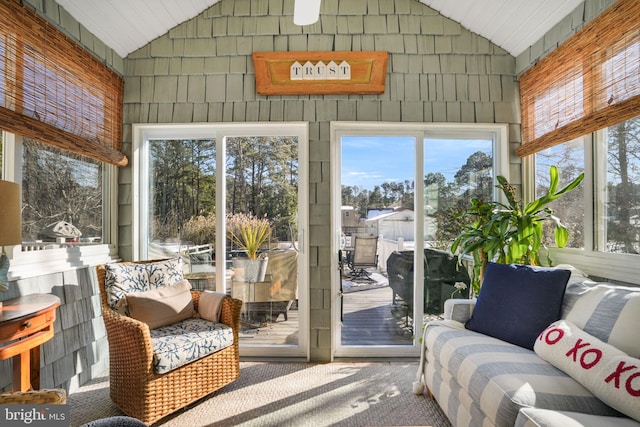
(202, 71)
(79, 350)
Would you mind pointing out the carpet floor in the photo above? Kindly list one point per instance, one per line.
(292, 394)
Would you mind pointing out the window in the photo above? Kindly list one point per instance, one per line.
(65, 204)
(569, 159)
(61, 195)
(618, 190)
(58, 187)
(456, 170)
(181, 189)
(603, 213)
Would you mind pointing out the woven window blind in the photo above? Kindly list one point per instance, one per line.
(590, 82)
(54, 91)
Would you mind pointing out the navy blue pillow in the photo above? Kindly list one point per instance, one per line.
(517, 302)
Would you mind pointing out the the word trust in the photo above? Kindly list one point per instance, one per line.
(320, 71)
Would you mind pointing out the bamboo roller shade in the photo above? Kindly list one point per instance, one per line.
(590, 82)
(54, 91)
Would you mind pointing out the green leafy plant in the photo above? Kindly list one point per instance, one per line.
(512, 232)
(248, 232)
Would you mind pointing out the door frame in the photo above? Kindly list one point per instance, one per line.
(420, 131)
(220, 131)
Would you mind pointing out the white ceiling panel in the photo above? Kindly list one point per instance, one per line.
(513, 25)
(127, 25)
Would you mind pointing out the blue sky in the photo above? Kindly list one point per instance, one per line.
(369, 161)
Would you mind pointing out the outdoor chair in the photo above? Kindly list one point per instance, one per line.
(364, 255)
(157, 370)
(200, 258)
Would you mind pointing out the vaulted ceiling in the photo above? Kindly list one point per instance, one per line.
(126, 25)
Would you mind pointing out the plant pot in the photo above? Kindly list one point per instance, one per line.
(250, 270)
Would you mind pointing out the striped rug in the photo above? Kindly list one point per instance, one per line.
(292, 394)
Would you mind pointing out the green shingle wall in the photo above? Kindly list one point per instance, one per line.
(202, 70)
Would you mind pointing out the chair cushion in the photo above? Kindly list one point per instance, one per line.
(494, 379)
(609, 313)
(122, 278)
(161, 306)
(517, 302)
(188, 340)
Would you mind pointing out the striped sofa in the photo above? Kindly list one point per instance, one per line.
(479, 380)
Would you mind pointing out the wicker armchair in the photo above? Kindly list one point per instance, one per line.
(45, 396)
(134, 386)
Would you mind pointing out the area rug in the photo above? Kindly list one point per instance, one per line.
(292, 394)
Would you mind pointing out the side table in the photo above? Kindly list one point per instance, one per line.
(25, 323)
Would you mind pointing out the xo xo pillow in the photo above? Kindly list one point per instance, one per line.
(610, 374)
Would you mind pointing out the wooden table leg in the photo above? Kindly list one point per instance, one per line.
(25, 324)
(22, 371)
(35, 368)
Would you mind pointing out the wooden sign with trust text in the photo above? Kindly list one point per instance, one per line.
(316, 73)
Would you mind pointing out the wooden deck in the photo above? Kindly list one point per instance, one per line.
(369, 318)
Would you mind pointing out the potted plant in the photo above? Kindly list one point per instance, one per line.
(249, 233)
(512, 232)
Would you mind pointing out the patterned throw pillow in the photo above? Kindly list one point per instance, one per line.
(123, 278)
(164, 273)
(610, 374)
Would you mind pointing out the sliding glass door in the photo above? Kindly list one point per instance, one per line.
(396, 190)
(377, 218)
(198, 186)
(261, 204)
